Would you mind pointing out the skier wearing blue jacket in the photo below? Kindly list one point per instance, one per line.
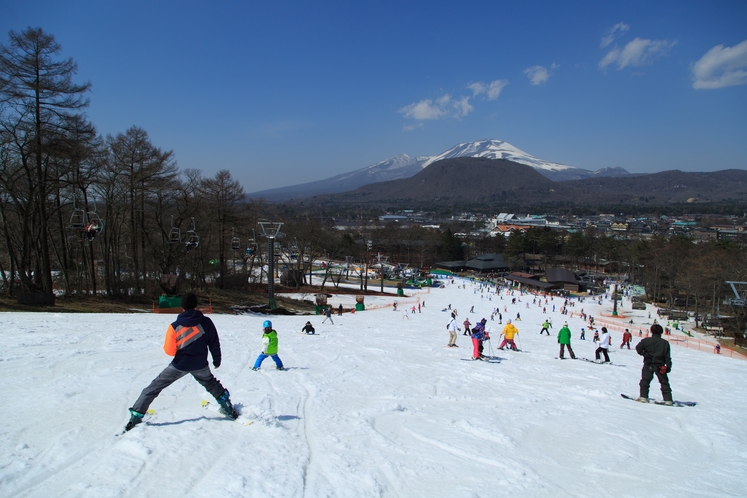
(478, 336)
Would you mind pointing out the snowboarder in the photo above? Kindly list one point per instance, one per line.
(453, 328)
(269, 346)
(509, 331)
(328, 315)
(657, 360)
(545, 327)
(564, 339)
(604, 345)
(627, 336)
(308, 328)
(188, 340)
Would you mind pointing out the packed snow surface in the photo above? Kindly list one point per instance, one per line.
(373, 405)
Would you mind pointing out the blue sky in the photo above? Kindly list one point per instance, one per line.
(281, 93)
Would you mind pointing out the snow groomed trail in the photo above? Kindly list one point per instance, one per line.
(373, 405)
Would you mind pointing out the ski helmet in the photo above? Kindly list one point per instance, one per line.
(267, 324)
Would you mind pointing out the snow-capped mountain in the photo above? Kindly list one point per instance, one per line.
(404, 166)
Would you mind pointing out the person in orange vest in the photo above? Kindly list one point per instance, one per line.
(188, 340)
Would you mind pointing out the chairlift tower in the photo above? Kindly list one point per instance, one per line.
(270, 230)
(738, 299)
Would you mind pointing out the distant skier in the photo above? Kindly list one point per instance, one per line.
(596, 336)
(564, 339)
(545, 327)
(339, 310)
(657, 360)
(269, 347)
(583, 334)
(188, 340)
(467, 326)
(604, 346)
(308, 328)
(627, 336)
(328, 315)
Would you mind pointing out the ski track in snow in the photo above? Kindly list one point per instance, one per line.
(371, 406)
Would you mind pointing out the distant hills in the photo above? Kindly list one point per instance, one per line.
(478, 181)
(492, 172)
(403, 166)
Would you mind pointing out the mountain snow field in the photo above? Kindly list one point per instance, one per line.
(372, 405)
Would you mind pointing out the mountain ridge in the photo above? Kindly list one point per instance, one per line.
(403, 166)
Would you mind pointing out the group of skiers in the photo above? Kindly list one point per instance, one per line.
(657, 360)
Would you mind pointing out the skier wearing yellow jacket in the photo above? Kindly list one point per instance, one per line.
(509, 332)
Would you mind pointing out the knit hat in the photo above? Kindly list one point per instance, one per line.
(565, 324)
(189, 301)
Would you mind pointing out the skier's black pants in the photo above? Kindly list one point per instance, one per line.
(544, 329)
(647, 375)
(562, 350)
(168, 376)
(604, 351)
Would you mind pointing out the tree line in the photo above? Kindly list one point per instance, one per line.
(88, 214)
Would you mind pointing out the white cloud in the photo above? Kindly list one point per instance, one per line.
(442, 107)
(426, 109)
(639, 52)
(539, 74)
(492, 90)
(463, 107)
(720, 67)
(614, 32)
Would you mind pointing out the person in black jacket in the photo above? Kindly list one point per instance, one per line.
(308, 328)
(657, 360)
(188, 340)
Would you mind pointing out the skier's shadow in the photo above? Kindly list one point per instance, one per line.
(284, 418)
(178, 422)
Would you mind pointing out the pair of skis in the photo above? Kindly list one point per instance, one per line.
(208, 406)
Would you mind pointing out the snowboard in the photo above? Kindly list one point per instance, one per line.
(215, 408)
(661, 402)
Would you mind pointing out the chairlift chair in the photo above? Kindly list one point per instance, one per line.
(95, 222)
(175, 233)
(193, 240)
(78, 217)
(235, 241)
